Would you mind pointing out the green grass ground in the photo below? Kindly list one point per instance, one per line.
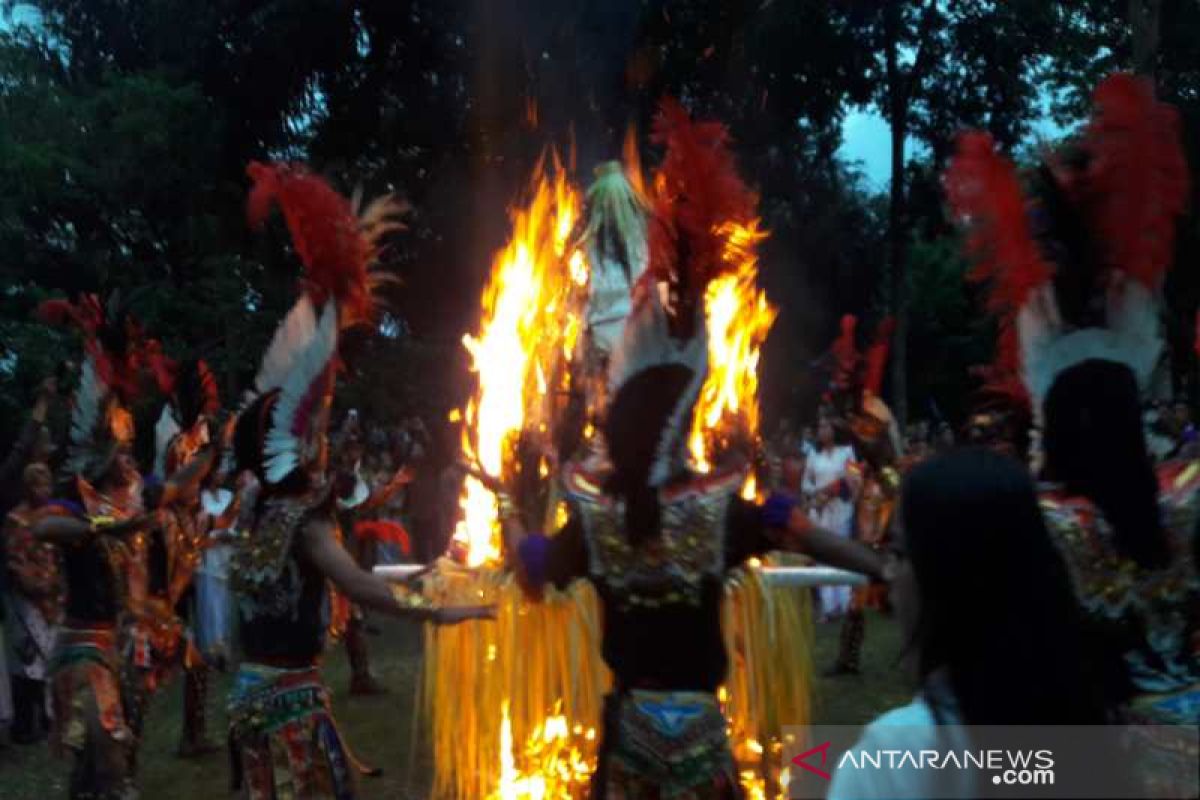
(381, 728)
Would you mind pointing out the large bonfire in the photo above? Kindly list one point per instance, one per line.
(515, 705)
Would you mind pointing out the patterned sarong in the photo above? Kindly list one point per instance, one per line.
(665, 746)
(283, 741)
(1167, 767)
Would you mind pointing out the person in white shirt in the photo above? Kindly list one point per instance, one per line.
(985, 601)
(830, 485)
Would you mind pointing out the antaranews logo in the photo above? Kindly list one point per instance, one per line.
(932, 762)
(1011, 768)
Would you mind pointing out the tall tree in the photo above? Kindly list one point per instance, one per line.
(940, 67)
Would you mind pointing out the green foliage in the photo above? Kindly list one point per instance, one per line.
(947, 330)
(125, 129)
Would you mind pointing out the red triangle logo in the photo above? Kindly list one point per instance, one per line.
(801, 762)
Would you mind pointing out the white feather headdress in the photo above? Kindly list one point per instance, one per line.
(338, 250)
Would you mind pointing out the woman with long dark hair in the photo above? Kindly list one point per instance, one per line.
(992, 626)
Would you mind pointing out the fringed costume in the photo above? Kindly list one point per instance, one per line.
(282, 737)
(1075, 273)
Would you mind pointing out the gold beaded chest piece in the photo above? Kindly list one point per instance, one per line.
(669, 569)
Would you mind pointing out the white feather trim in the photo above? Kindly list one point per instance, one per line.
(215, 503)
(86, 415)
(1132, 338)
(647, 342)
(165, 430)
(283, 449)
(294, 333)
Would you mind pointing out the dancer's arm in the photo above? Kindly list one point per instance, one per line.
(184, 486)
(790, 529)
(537, 559)
(319, 546)
(72, 530)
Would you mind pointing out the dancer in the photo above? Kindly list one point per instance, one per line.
(855, 393)
(283, 738)
(93, 529)
(1077, 285)
(162, 639)
(654, 539)
(33, 606)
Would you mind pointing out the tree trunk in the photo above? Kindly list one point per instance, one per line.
(897, 96)
(899, 271)
(1143, 22)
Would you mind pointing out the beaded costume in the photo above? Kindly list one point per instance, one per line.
(661, 628)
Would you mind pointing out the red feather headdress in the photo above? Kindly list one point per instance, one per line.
(697, 191)
(1137, 177)
(383, 531)
(697, 195)
(117, 355)
(1125, 197)
(336, 246)
(114, 340)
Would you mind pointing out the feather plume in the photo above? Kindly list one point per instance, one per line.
(877, 356)
(845, 353)
(985, 195)
(164, 369)
(195, 392)
(165, 430)
(336, 247)
(98, 423)
(646, 342)
(306, 382)
(1137, 178)
(86, 413)
(698, 190)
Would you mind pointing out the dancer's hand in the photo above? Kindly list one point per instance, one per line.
(125, 527)
(452, 615)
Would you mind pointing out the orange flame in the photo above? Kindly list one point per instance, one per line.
(562, 760)
(529, 324)
(739, 318)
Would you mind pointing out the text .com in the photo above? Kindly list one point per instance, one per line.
(1025, 777)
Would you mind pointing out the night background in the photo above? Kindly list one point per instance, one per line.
(126, 127)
